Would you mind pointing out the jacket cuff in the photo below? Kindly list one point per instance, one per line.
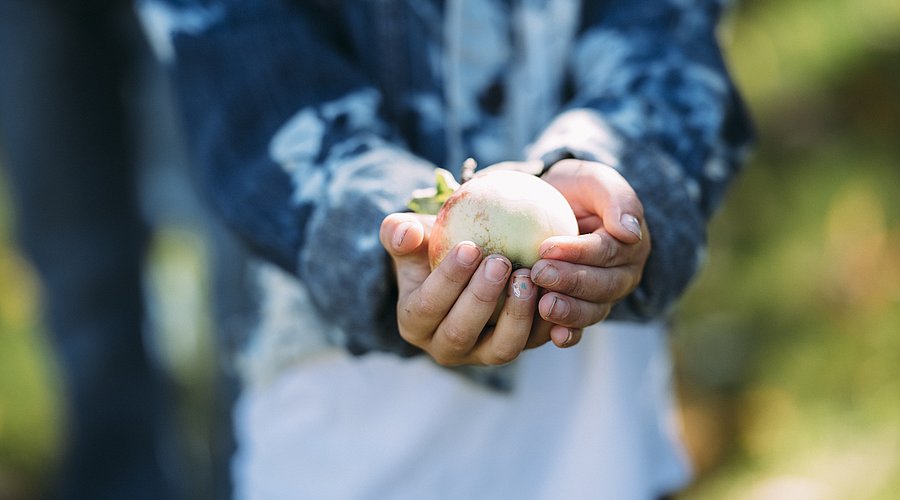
(343, 263)
(674, 219)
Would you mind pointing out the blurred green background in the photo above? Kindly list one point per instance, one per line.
(787, 346)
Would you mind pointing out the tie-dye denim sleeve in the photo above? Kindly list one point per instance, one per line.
(292, 152)
(652, 98)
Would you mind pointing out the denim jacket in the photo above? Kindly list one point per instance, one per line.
(309, 121)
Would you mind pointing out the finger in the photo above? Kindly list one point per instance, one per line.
(507, 339)
(597, 249)
(540, 331)
(612, 197)
(565, 337)
(403, 236)
(571, 312)
(402, 233)
(426, 306)
(457, 334)
(620, 208)
(593, 284)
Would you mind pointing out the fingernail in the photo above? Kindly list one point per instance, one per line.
(565, 337)
(521, 287)
(558, 309)
(496, 269)
(547, 250)
(632, 224)
(467, 253)
(574, 334)
(547, 275)
(400, 233)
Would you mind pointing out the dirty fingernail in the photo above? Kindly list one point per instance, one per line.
(564, 337)
(558, 309)
(546, 250)
(546, 275)
(571, 337)
(400, 233)
(496, 269)
(467, 253)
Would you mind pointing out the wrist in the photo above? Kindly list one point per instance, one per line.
(548, 163)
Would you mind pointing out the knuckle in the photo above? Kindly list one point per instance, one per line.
(457, 340)
(486, 294)
(578, 252)
(410, 336)
(539, 336)
(445, 360)
(502, 355)
(629, 284)
(607, 289)
(603, 312)
(609, 250)
(628, 198)
(596, 314)
(623, 285)
(425, 306)
(579, 284)
(637, 208)
(453, 273)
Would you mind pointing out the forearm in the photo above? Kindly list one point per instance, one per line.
(292, 152)
(654, 101)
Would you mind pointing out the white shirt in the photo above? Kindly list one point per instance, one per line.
(593, 421)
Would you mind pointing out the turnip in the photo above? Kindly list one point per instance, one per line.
(504, 212)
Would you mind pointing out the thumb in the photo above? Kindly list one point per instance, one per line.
(620, 209)
(405, 238)
(402, 234)
(594, 188)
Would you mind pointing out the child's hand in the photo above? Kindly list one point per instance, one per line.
(446, 312)
(585, 275)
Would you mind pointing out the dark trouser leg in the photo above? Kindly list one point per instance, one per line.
(65, 137)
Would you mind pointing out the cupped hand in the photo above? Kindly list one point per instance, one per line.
(447, 312)
(584, 276)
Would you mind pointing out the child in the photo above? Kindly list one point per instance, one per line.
(312, 123)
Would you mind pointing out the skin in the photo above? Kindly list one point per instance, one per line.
(574, 285)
